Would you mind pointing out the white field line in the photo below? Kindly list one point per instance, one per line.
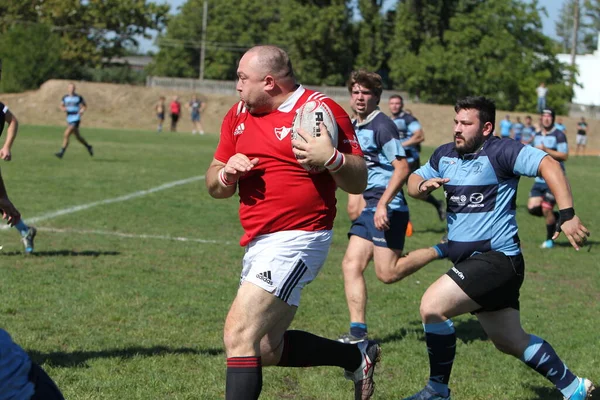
(126, 197)
(133, 236)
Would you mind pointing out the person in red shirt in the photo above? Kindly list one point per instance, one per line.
(175, 108)
(287, 214)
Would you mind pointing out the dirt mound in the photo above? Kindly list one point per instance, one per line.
(132, 107)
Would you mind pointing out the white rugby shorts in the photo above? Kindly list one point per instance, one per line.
(282, 263)
(581, 140)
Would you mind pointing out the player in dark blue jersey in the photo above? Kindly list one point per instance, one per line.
(20, 378)
(541, 200)
(74, 105)
(378, 233)
(412, 135)
(480, 173)
(27, 232)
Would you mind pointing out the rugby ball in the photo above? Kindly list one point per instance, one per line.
(308, 117)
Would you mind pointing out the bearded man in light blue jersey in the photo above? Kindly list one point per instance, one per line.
(480, 174)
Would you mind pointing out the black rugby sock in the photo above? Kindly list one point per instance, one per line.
(303, 349)
(244, 378)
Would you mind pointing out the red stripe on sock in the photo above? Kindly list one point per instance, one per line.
(243, 362)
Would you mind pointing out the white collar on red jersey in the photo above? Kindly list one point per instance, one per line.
(290, 102)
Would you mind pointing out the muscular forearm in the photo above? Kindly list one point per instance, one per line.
(352, 177)
(412, 187)
(556, 180)
(215, 188)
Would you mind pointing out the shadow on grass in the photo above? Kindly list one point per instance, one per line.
(63, 253)
(547, 393)
(550, 393)
(466, 331)
(586, 247)
(111, 160)
(79, 358)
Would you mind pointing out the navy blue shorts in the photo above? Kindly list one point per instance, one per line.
(542, 190)
(393, 238)
(195, 117)
(74, 123)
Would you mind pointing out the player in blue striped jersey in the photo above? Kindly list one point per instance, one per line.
(74, 105)
(480, 173)
(379, 231)
(541, 200)
(412, 135)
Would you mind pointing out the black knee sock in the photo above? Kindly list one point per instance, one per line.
(303, 349)
(244, 378)
(550, 229)
(433, 201)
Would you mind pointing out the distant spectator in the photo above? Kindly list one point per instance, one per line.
(528, 132)
(197, 106)
(581, 140)
(518, 129)
(175, 112)
(506, 128)
(559, 125)
(541, 91)
(160, 112)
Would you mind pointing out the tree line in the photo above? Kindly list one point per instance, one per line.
(436, 50)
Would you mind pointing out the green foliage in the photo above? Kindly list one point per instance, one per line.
(371, 48)
(494, 49)
(319, 46)
(30, 54)
(592, 24)
(89, 30)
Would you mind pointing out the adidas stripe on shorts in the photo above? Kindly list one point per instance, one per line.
(282, 263)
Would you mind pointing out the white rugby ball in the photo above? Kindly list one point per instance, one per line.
(308, 117)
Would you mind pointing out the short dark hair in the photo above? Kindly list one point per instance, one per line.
(397, 96)
(370, 80)
(486, 108)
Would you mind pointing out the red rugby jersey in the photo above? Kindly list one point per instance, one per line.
(278, 194)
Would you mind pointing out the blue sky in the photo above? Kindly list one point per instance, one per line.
(552, 7)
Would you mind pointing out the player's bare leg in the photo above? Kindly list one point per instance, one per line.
(65, 142)
(356, 259)
(83, 141)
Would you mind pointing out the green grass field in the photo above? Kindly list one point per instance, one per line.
(114, 308)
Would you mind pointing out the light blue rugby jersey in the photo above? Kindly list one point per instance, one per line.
(554, 140)
(72, 104)
(380, 143)
(14, 370)
(481, 194)
(407, 126)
